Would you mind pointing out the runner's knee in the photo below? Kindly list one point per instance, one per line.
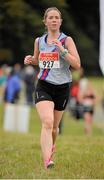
(48, 122)
(55, 130)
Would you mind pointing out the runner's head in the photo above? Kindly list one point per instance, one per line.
(52, 19)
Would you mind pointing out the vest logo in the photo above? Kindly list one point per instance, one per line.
(49, 56)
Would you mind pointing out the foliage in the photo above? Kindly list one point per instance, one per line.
(17, 27)
(86, 17)
(21, 22)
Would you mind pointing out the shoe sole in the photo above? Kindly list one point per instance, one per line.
(50, 166)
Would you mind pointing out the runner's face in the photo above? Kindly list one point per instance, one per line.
(53, 20)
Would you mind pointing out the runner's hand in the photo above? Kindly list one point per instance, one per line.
(28, 59)
(58, 44)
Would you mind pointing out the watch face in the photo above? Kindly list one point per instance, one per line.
(64, 53)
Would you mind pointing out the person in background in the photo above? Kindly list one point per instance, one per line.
(29, 79)
(12, 88)
(55, 52)
(83, 81)
(88, 100)
(73, 102)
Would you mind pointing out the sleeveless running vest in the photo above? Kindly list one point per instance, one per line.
(55, 75)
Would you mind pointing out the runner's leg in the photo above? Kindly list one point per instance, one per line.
(45, 110)
(57, 119)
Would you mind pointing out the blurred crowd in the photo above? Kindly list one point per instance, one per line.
(83, 100)
(17, 85)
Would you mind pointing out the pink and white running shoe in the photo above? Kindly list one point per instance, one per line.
(49, 164)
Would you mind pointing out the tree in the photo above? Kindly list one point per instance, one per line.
(17, 25)
(21, 22)
(85, 14)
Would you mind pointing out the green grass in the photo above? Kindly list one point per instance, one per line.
(98, 84)
(77, 156)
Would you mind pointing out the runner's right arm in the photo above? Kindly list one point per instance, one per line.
(33, 60)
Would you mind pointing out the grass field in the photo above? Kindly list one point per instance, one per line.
(77, 157)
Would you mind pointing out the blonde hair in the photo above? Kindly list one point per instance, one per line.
(50, 9)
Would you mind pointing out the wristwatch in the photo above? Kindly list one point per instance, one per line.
(63, 54)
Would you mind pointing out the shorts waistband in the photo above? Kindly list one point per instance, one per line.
(53, 85)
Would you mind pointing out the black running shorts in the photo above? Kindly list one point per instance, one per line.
(59, 94)
(89, 109)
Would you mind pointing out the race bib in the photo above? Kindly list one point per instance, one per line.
(49, 60)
